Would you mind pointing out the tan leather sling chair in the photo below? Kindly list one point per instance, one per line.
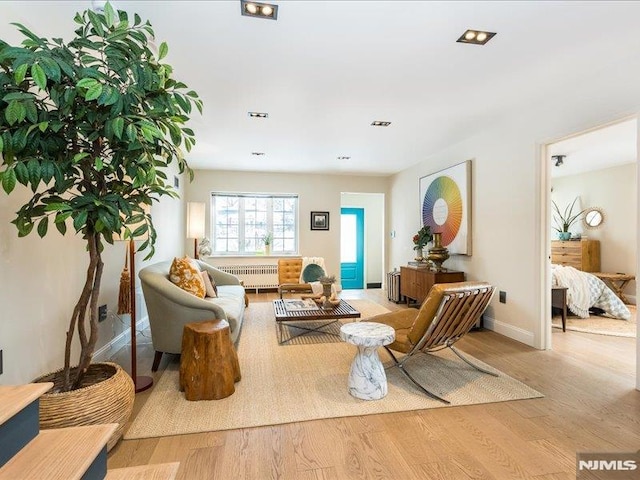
(446, 315)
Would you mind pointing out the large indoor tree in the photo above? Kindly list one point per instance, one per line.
(90, 126)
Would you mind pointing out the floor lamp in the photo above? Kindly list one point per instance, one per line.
(142, 383)
(195, 223)
(127, 304)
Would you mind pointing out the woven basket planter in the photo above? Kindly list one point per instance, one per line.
(107, 397)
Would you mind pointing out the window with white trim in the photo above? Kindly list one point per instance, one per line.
(242, 221)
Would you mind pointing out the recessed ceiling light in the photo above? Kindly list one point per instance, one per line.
(344, 158)
(257, 153)
(378, 123)
(258, 114)
(259, 10)
(476, 37)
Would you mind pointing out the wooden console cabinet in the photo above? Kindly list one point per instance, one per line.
(415, 282)
(582, 255)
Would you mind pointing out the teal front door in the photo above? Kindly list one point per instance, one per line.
(352, 248)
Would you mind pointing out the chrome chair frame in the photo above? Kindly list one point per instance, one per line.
(452, 321)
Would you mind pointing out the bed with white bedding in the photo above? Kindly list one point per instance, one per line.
(585, 291)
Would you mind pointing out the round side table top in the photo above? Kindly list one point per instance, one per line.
(367, 334)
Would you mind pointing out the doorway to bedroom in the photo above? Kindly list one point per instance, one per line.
(592, 199)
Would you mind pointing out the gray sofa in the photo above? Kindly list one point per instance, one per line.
(170, 308)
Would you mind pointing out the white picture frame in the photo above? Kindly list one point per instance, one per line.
(445, 206)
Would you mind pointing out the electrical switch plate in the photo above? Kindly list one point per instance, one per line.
(102, 313)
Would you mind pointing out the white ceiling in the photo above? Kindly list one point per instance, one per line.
(326, 69)
(603, 148)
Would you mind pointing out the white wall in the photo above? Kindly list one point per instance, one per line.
(638, 261)
(509, 246)
(316, 193)
(373, 205)
(169, 219)
(41, 280)
(614, 191)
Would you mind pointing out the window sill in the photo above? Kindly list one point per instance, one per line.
(273, 255)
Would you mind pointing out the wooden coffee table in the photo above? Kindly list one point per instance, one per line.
(328, 316)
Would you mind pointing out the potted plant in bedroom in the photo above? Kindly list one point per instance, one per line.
(564, 220)
(89, 125)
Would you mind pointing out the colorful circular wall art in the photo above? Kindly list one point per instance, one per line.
(442, 208)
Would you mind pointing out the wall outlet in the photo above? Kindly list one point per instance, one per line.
(102, 313)
(503, 297)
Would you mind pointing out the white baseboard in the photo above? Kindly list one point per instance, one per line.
(515, 333)
(105, 352)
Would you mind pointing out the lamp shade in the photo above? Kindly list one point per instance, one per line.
(195, 219)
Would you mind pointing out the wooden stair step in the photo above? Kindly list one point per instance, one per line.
(14, 398)
(62, 454)
(19, 417)
(160, 471)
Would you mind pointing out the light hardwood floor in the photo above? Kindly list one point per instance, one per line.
(590, 404)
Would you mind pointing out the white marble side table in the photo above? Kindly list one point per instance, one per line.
(367, 379)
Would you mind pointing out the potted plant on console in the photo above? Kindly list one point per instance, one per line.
(420, 240)
(89, 126)
(564, 220)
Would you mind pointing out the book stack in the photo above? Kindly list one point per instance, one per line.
(293, 305)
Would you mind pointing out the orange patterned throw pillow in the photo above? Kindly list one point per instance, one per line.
(185, 276)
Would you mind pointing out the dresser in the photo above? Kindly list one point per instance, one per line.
(415, 282)
(583, 254)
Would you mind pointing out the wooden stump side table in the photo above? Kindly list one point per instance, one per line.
(209, 364)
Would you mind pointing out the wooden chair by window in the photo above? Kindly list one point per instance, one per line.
(289, 274)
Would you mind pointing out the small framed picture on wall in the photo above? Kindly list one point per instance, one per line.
(319, 220)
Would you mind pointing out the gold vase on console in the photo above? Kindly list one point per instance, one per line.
(438, 254)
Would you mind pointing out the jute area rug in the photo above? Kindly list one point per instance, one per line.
(600, 325)
(292, 383)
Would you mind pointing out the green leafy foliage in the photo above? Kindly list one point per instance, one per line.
(563, 220)
(89, 126)
(95, 118)
(421, 238)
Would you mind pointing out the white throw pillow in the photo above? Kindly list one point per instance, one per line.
(208, 285)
